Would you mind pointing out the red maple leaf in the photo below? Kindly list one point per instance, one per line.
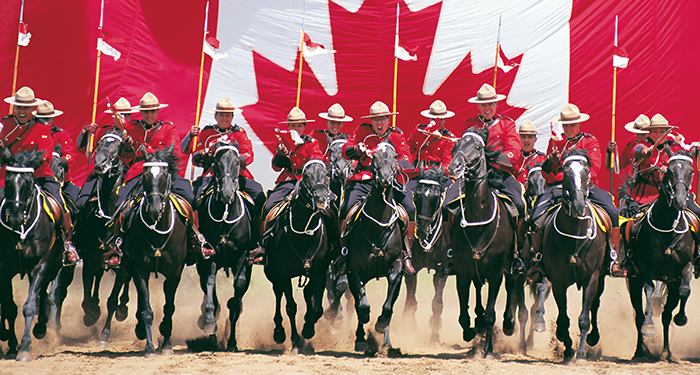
(364, 60)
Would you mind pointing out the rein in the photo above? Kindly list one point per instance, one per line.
(224, 217)
(34, 201)
(591, 230)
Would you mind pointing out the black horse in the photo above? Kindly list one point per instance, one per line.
(483, 236)
(435, 255)
(374, 242)
(154, 241)
(32, 248)
(225, 220)
(660, 245)
(573, 252)
(296, 244)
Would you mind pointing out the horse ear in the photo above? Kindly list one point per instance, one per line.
(57, 148)
(144, 153)
(38, 160)
(6, 154)
(668, 150)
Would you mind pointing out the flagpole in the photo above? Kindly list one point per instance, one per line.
(91, 138)
(199, 89)
(396, 65)
(498, 52)
(301, 52)
(612, 157)
(14, 73)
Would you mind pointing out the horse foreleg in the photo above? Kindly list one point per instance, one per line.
(684, 292)
(207, 282)
(490, 313)
(123, 307)
(334, 306)
(279, 335)
(522, 311)
(392, 293)
(291, 314)
(313, 296)
(584, 319)
(562, 333)
(119, 280)
(479, 322)
(357, 288)
(594, 335)
(91, 302)
(648, 327)
(144, 313)
(166, 325)
(29, 310)
(8, 311)
(241, 282)
(437, 306)
(57, 294)
(511, 301)
(671, 303)
(360, 341)
(636, 284)
(463, 283)
(411, 304)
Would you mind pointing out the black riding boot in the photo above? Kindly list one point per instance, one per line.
(519, 267)
(408, 242)
(616, 257)
(196, 239)
(70, 255)
(535, 274)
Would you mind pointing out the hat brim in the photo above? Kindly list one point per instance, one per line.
(326, 116)
(661, 126)
(584, 117)
(55, 113)
(12, 101)
(476, 99)
(630, 128)
(234, 111)
(381, 115)
(295, 121)
(530, 133)
(122, 111)
(139, 108)
(426, 113)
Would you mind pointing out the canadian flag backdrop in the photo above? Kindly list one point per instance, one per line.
(555, 52)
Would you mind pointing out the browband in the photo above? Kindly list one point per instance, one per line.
(113, 136)
(575, 157)
(155, 164)
(19, 169)
(312, 161)
(430, 182)
(226, 147)
(680, 157)
(474, 135)
(533, 169)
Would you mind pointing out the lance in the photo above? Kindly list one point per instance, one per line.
(14, 73)
(199, 89)
(612, 158)
(498, 52)
(91, 138)
(301, 52)
(396, 65)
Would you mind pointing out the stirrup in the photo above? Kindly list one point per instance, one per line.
(408, 266)
(113, 257)
(70, 255)
(205, 247)
(616, 270)
(518, 266)
(257, 256)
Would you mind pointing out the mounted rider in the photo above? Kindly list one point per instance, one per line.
(152, 135)
(21, 131)
(431, 144)
(503, 137)
(289, 159)
(210, 134)
(366, 137)
(122, 106)
(571, 119)
(46, 113)
(528, 157)
(335, 118)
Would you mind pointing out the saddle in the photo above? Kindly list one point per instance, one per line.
(631, 226)
(182, 206)
(51, 207)
(275, 212)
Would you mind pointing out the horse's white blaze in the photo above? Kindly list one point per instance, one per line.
(155, 171)
(577, 168)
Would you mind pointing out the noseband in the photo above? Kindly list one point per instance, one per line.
(670, 188)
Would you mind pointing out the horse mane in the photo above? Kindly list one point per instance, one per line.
(31, 158)
(490, 153)
(434, 174)
(167, 155)
(583, 153)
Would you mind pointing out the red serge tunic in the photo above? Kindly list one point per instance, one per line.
(35, 135)
(646, 187)
(325, 138)
(160, 136)
(68, 149)
(298, 157)
(211, 133)
(365, 134)
(502, 136)
(525, 161)
(433, 150)
(583, 141)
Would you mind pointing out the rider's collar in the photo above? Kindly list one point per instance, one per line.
(528, 153)
(485, 121)
(149, 127)
(575, 138)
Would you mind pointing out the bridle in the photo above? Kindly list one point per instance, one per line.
(111, 167)
(306, 193)
(435, 221)
(469, 169)
(33, 201)
(163, 196)
(566, 199)
(220, 178)
(670, 188)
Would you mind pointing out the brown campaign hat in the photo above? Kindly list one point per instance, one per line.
(149, 102)
(24, 97)
(335, 113)
(486, 94)
(658, 122)
(46, 110)
(296, 116)
(570, 114)
(437, 110)
(528, 128)
(122, 106)
(379, 109)
(639, 125)
(225, 105)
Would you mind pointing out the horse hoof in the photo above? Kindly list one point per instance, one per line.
(89, 319)
(330, 314)
(308, 332)
(363, 314)
(294, 351)
(568, 353)
(648, 330)
(24, 356)
(469, 334)
(232, 347)
(168, 352)
(680, 320)
(121, 313)
(593, 338)
(103, 344)
(480, 322)
(394, 353)
(279, 335)
(211, 329)
(361, 346)
(509, 327)
(539, 327)
(39, 331)
(202, 321)
(341, 285)
(150, 355)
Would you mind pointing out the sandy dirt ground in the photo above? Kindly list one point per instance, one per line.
(331, 350)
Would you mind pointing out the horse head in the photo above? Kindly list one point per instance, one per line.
(314, 185)
(56, 166)
(106, 152)
(470, 156)
(428, 200)
(385, 165)
(20, 190)
(340, 167)
(226, 164)
(678, 178)
(535, 184)
(576, 182)
(156, 180)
